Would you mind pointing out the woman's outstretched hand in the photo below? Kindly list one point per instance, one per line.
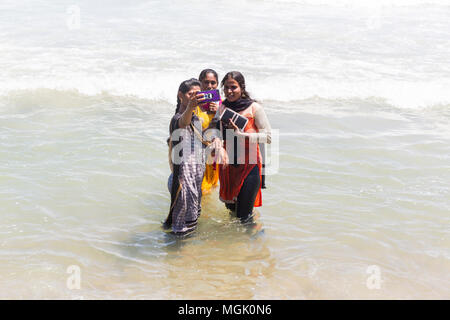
(195, 100)
(211, 106)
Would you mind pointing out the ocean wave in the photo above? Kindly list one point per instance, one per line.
(86, 91)
(396, 56)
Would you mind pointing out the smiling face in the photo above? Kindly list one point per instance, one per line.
(232, 90)
(209, 82)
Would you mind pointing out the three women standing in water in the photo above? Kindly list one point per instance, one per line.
(236, 151)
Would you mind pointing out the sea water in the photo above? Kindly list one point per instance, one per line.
(358, 206)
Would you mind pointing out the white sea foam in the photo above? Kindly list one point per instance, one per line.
(391, 50)
(401, 94)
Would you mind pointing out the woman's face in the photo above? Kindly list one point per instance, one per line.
(209, 82)
(184, 97)
(232, 90)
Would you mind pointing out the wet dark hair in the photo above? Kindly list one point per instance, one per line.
(205, 72)
(184, 87)
(239, 77)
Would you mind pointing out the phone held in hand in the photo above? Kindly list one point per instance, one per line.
(209, 96)
(239, 120)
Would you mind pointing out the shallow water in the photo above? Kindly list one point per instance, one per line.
(363, 173)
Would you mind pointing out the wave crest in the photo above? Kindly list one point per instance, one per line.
(401, 94)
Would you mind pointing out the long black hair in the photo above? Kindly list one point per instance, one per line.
(239, 77)
(184, 87)
(205, 72)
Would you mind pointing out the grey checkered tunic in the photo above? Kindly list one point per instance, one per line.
(192, 168)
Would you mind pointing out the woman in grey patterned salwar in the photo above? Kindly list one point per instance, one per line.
(188, 165)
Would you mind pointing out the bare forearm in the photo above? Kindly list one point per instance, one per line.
(186, 118)
(257, 137)
(264, 130)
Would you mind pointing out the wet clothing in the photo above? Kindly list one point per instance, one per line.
(188, 170)
(241, 164)
(211, 177)
(169, 182)
(240, 181)
(247, 195)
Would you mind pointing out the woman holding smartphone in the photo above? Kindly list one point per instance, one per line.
(240, 178)
(187, 160)
(206, 112)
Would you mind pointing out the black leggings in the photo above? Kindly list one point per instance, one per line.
(247, 195)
